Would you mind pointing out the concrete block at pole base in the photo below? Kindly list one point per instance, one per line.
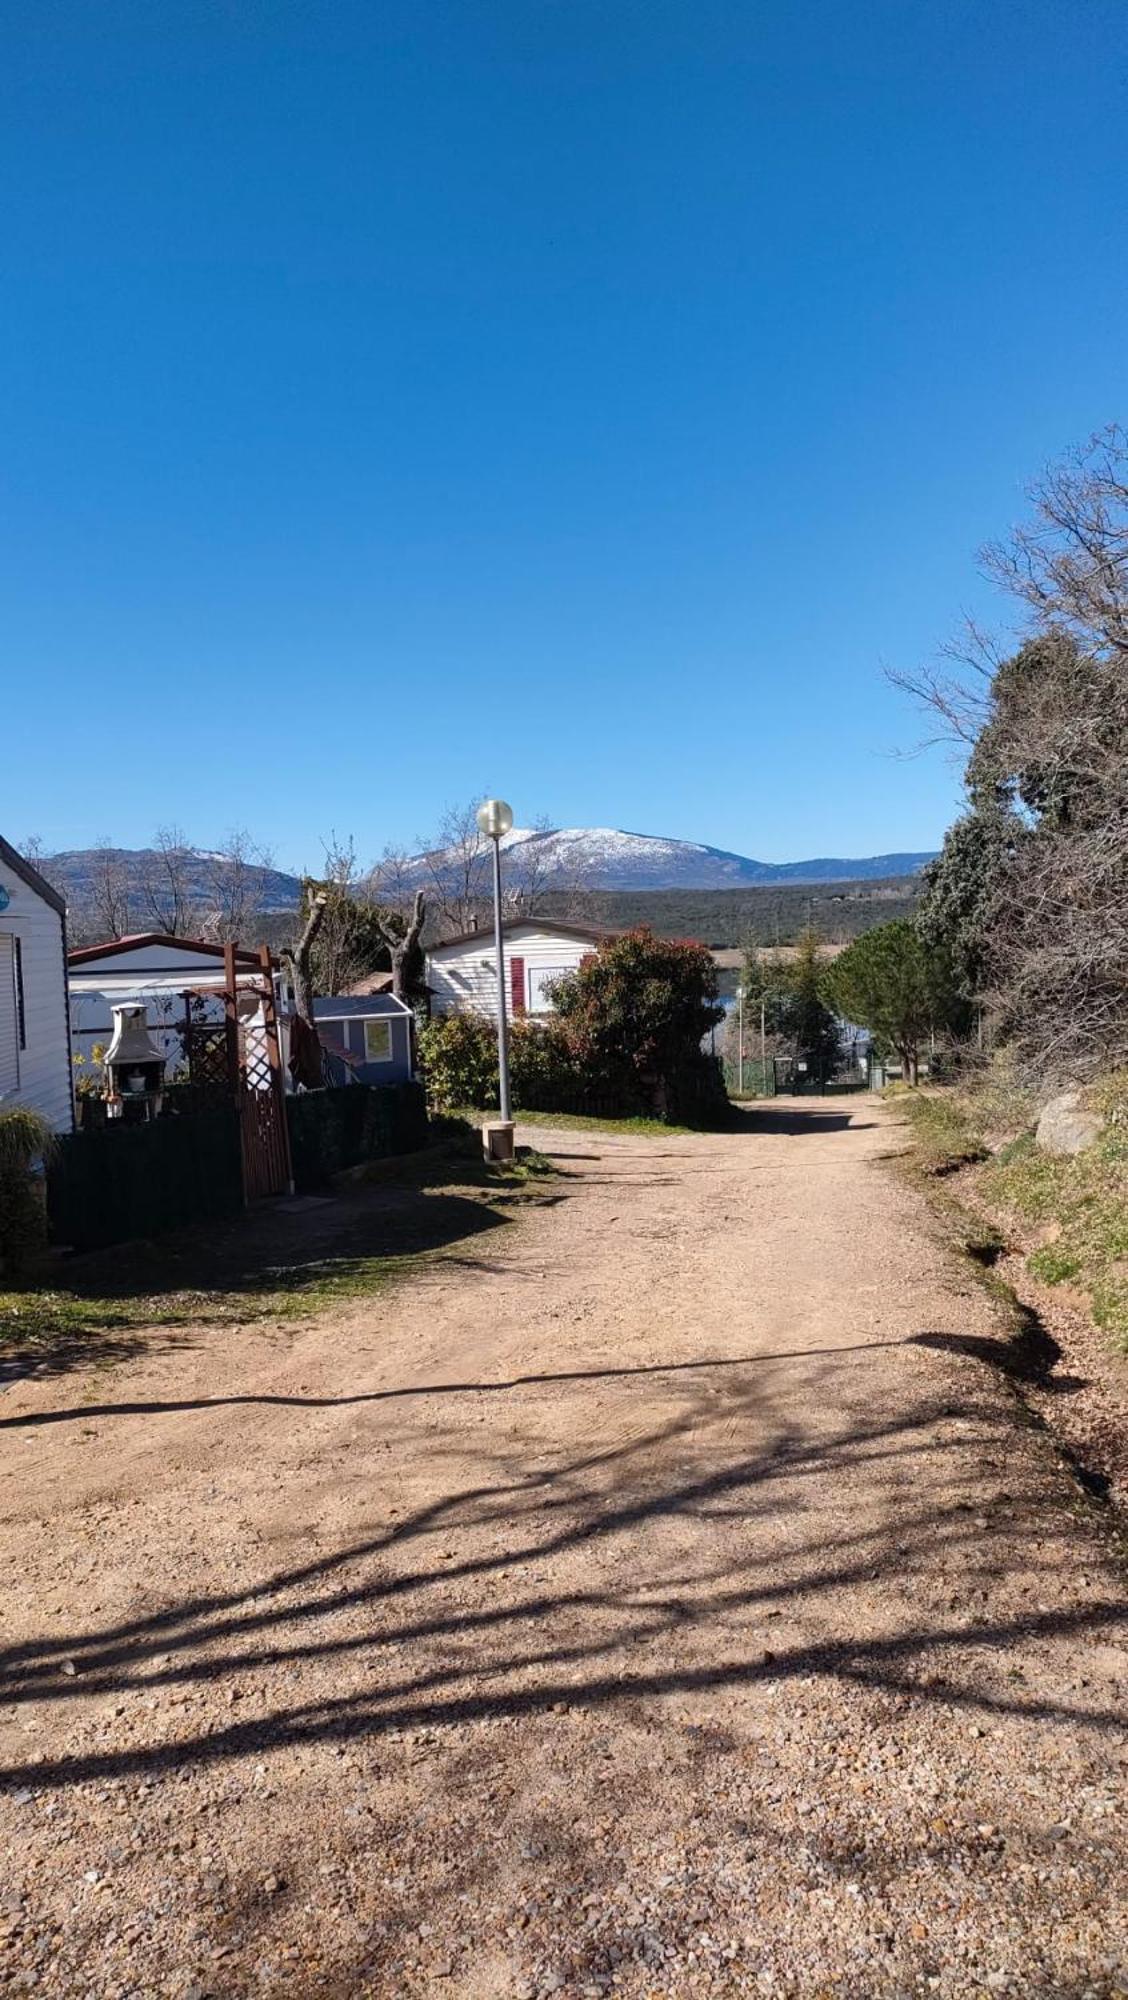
(497, 1140)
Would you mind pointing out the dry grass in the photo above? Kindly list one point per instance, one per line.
(1082, 1204)
(1078, 1206)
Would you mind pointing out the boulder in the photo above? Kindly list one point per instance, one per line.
(1065, 1126)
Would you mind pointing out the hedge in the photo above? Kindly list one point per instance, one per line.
(116, 1182)
(333, 1129)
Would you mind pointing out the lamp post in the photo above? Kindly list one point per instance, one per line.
(494, 820)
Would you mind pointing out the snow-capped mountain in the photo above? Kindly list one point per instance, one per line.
(589, 857)
(606, 857)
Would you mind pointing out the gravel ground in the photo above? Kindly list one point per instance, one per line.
(631, 1602)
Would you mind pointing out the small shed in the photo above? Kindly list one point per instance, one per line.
(35, 1057)
(462, 971)
(372, 1033)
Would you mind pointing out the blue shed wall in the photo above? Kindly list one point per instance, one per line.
(349, 1034)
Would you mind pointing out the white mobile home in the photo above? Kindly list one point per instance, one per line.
(462, 971)
(154, 970)
(35, 1063)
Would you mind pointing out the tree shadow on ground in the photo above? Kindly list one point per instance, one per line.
(84, 1412)
(277, 1259)
(451, 1614)
(793, 1122)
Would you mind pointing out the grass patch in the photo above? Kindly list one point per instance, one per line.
(569, 1121)
(110, 1303)
(43, 1319)
(1085, 1198)
(944, 1137)
(1078, 1203)
(1053, 1265)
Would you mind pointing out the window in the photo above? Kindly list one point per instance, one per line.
(21, 1016)
(541, 977)
(9, 1020)
(377, 1041)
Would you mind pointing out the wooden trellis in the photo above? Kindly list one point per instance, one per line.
(240, 1059)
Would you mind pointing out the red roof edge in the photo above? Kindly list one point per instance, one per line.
(83, 953)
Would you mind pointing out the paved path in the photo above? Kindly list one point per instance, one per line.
(647, 1597)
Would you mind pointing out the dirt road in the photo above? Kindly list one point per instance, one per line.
(648, 1596)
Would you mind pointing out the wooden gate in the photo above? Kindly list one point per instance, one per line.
(239, 1060)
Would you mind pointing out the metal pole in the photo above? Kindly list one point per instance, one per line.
(763, 1047)
(502, 1023)
(740, 1041)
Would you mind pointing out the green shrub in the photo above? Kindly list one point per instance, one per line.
(636, 1011)
(25, 1138)
(542, 1068)
(458, 1057)
(459, 1060)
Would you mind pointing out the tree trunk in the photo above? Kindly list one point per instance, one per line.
(405, 951)
(306, 1061)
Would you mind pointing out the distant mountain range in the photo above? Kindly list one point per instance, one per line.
(597, 858)
(78, 872)
(603, 857)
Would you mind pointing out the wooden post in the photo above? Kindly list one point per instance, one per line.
(231, 1019)
(274, 1056)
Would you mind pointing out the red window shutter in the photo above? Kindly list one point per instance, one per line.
(517, 984)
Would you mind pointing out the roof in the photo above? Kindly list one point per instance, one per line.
(371, 982)
(352, 1006)
(586, 933)
(32, 877)
(729, 958)
(84, 953)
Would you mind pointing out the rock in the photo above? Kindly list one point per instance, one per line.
(1065, 1126)
(68, 1667)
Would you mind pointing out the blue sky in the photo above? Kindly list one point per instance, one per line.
(577, 399)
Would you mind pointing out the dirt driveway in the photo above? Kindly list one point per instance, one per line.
(631, 1601)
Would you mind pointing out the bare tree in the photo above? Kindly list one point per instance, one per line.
(394, 879)
(166, 884)
(234, 894)
(1032, 887)
(348, 942)
(307, 1057)
(1070, 563)
(458, 871)
(955, 692)
(457, 868)
(108, 911)
(299, 956)
(402, 937)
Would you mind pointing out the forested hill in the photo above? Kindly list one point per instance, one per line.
(838, 911)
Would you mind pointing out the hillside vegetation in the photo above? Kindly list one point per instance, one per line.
(726, 917)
